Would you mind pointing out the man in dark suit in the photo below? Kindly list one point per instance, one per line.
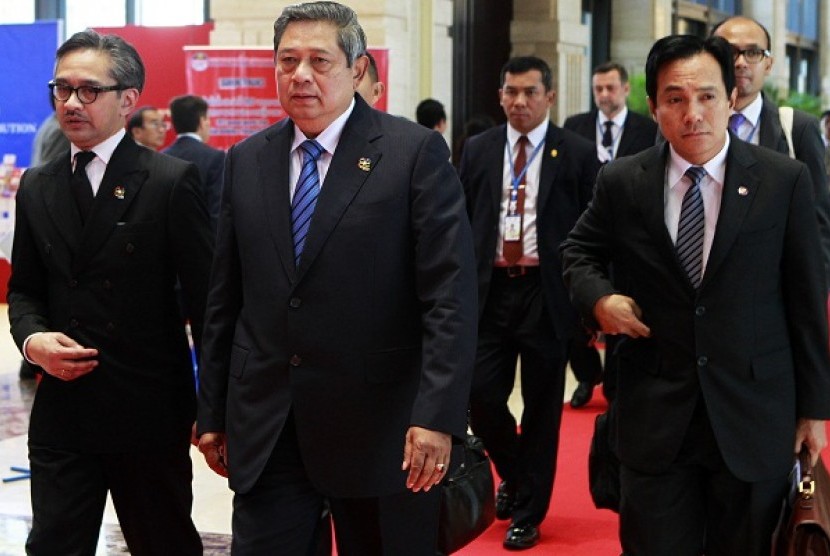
(756, 118)
(526, 183)
(340, 330)
(617, 132)
(101, 235)
(724, 371)
(189, 114)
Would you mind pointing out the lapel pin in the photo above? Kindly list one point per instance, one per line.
(554, 153)
(364, 164)
(743, 191)
(119, 191)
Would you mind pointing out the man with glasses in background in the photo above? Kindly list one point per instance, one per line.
(101, 235)
(147, 127)
(756, 118)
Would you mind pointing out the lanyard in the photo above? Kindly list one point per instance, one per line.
(515, 180)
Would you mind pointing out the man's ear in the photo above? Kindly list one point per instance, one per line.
(733, 98)
(129, 101)
(359, 67)
(652, 108)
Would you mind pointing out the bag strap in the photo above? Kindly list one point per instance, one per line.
(785, 114)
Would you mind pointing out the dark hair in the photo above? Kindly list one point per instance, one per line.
(136, 119)
(127, 69)
(373, 67)
(612, 66)
(524, 64)
(350, 35)
(755, 21)
(681, 47)
(186, 113)
(430, 112)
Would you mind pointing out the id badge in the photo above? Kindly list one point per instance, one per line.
(513, 227)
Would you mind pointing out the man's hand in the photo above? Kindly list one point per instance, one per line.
(213, 446)
(811, 433)
(619, 314)
(61, 356)
(426, 455)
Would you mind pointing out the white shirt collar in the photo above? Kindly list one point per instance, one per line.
(536, 136)
(715, 167)
(752, 111)
(330, 137)
(191, 134)
(104, 149)
(618, 120)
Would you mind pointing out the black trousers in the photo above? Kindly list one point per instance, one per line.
(697, 506)
(586, 363)
(515, 325)
(151, 493)
(281, 514)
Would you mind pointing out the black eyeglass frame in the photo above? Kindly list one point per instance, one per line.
(758, 54)
(92, 89)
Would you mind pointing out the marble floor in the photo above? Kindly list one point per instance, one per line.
(212, 499)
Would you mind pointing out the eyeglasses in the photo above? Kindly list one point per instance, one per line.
(87, 94)
(751, 55)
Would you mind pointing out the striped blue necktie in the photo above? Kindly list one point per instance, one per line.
(305, 196)
(689, 243)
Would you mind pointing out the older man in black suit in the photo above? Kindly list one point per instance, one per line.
(526, 183)
(340, 330)
(101, 235)
(189, 114)
(725, 371)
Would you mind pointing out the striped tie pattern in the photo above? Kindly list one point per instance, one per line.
(689, 243)
(305, 196)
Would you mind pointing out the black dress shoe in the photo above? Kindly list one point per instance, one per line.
(582, 395)
(520, 538)
(505, 501)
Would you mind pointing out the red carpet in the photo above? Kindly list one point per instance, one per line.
(573, 527)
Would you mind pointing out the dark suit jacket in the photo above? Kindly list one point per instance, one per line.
(752, 340)
(638, 134)
(374, 332)
(110, 285)
(210, 162)
(569, 167)
(809, 149)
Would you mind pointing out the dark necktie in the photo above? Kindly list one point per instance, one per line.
(305, 196)
(81, 187)
(512, 250)
(689, 243)
(607, 136)
(735, 122)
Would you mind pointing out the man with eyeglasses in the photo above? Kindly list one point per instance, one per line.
(101, 235)
(756, 118)
(147, 127)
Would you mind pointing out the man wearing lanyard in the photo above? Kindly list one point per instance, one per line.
(526, 183)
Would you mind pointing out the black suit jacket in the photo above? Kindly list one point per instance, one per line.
(809, 149)
(373, 333)
(569, 167)
(752, 340)
(110, 285)
(210, 162)
(638, 134)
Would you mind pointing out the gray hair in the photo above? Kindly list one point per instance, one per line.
(350, 35)
(127, 69)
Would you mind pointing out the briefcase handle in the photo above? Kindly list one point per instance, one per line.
(806, 486)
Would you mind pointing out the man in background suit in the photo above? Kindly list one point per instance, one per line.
(147, 127)
(371, 88)
(617, 132)
(101, 235)
(340, 330)
(725, 371)
(189, 114)
(526, 183)
(756, 118)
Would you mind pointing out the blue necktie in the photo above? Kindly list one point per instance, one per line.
(305, 196)
(736, 120)
(689, 243)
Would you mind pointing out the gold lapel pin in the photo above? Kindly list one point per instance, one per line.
(554, 153)
(119, 191)
(743, 191)
(364, 164)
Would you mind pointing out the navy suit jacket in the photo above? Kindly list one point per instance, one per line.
(110, 285)
(211, 164)
(752, 340)
(638, 134)
(374, 331)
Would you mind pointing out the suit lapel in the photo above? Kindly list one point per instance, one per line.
(274, 164)
(649, 192)
(739, 189)
(495, 172)
(770, 133)
(60, 203)
(354, 160)
(549, 153)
